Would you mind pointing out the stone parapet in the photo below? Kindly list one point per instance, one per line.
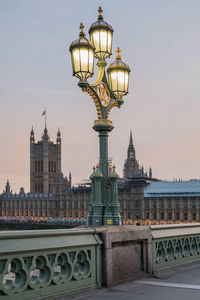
(126, 253)
(48, 263)
(174, 245)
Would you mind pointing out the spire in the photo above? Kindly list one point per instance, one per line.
(131, 138)
(142, 170)
(45, 136)
(58, 136)
(70, 178)
(150, 172)
(7, 187)
(131, 149)
(32, 137)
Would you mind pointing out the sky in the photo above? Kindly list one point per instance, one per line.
(160, 41)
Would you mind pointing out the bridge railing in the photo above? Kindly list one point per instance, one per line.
(36, 264)
(173, 245)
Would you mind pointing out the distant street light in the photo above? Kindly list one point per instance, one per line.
(104, 208)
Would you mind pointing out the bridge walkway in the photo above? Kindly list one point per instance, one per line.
(180, 283)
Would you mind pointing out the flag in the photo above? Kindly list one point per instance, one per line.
(44, 112)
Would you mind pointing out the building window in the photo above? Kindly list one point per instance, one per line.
(137, 203)
(75, 204)
(162, 203)
(128, 204)
(70, 204)
(147, 215)
(147, 203)
(169, 202)
(155, 215)
(129, 215)
(177, 216)
(169, 215)
(194, 216)
(194, 203)
(122, 205)
(185, 216)
(154, 203)
(162, 215)
(177, 204)
(185, 201)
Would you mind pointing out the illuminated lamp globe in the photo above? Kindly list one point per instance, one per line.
(118, 75)
(82, 56)
(101, 35)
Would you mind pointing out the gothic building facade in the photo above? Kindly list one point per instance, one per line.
(45, 164)
(131, 166)
(143, 199)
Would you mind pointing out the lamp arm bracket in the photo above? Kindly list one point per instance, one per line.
(99, 76)
(114, 103)
(103, 111)
(91, 91)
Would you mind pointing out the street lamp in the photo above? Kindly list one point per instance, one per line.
(106, 94)
(82, 54)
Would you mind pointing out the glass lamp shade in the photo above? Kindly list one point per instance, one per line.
(82, 55)
(118, 75)
(101, 35)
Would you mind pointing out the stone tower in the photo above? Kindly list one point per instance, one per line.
(45, 162)
(131, 166)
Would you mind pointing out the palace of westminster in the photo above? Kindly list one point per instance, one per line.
(143, 199)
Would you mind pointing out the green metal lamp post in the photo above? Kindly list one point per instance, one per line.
(106, 94)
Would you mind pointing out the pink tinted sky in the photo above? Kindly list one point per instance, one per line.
(160, 42)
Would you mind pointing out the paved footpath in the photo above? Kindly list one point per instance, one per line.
(182, 283)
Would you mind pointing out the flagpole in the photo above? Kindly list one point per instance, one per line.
(45, 117)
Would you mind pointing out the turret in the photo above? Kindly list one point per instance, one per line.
(131, 166)
(45, 136)
(70, 179)
(58, 137)
(150, 172)
(32, 137)
(7, 187)
(142, 170)
(131, 149)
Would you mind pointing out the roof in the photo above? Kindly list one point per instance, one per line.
(172, 188)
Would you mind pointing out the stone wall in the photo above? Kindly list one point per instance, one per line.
(126, 253)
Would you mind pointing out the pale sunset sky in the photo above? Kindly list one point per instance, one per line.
(160, 41)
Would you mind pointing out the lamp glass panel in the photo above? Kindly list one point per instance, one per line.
(96, 40)
(84, 59)
(91, 61)
(121, 80)
(126, 81)
(109, 41)
(76, 60)
(103, 40)
(114, 80)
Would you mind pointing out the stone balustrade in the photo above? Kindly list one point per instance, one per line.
(36, 264)
(51, 263)
(175, 244)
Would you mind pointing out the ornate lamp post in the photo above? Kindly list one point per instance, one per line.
(104, 208)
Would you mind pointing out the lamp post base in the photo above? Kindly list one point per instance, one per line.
(104, 208)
